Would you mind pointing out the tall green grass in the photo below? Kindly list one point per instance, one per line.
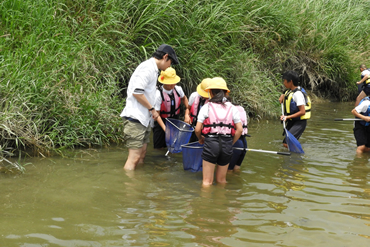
(65, 64)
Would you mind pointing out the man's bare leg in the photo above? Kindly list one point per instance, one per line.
(134, 156)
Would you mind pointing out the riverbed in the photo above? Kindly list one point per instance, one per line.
(320, 198)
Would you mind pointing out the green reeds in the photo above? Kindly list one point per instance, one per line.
(65, 65)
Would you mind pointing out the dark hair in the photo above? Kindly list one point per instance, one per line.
(291, 76)
(219, 95)
(159, 55)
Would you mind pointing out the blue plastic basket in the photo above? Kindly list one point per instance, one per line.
(177, 133)
(192, 156)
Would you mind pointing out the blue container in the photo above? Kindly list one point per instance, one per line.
(192, 156)
(177, 133)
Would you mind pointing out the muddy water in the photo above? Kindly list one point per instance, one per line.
(318, 199)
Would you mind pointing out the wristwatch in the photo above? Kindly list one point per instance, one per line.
(151, 109)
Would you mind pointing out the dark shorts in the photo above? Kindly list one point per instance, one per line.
(362, 134)
(296, 128)
(159, 136)
(238, 155)
(218, 150)
(366, 89)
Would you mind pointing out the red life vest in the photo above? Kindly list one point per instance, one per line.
(195, 107)
(220, 119)
(243, 118)
(170, 106)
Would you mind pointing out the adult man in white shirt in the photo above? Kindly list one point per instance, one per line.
(140, 101)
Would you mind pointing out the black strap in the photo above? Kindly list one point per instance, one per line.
(200, 104)
(230, 126)
(173, 110)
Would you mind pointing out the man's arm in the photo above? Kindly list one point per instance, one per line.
(144, 101)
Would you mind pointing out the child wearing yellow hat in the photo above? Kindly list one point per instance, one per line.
(196, 100)
(215, 129)
(168, 99)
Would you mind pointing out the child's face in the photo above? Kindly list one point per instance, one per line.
(286, 83)
(169, 87)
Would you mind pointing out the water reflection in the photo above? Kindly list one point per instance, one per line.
(211, 216)
(359, 176)
(86, 199)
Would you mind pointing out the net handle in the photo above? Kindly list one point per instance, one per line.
(168, 120)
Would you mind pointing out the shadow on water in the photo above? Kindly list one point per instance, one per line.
(316, 199)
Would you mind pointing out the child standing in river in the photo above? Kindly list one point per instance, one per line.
(361, 129)
(215, 129)
(297, 105)
(196, 101)
(168, 99)
(364, 84)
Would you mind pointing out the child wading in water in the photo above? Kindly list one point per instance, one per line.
(196, 101)
(167, 103)
(297, 105)
(215, 129)
(361, 129)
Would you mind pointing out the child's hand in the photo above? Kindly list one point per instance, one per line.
(281, 98)
(201, 140)
(187, 119)
(283, 118)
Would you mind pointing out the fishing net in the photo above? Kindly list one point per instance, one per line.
(293, 143)
(177, 133)
(191, 156)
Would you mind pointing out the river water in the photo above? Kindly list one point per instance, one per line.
(320, 198)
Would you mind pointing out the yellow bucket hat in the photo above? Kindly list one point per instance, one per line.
(168, 76)
(202, 86)
(217, 83)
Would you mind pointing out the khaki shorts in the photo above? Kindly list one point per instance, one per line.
(135, 134)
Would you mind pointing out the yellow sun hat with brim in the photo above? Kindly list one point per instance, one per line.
(202, 86)
(217, 83)
(168, 76)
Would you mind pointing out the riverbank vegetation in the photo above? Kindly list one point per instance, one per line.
(65, 64)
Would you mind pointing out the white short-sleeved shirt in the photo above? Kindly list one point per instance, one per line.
(365, 72)
(192, 98)
(142, 81)
(362, 108)
(158, 97)
(298, 98)
(203, 113)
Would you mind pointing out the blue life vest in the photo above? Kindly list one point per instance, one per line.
(367, 113)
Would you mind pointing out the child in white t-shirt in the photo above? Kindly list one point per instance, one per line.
(361, 129)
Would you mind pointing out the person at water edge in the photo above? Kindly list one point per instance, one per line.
(241, 143)
(168, 99)
(361, 129)
(364, 84)
(196, 100)
(297, 105)
(139, 107)
(215, 129)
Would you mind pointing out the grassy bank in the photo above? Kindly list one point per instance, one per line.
(64, 64)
